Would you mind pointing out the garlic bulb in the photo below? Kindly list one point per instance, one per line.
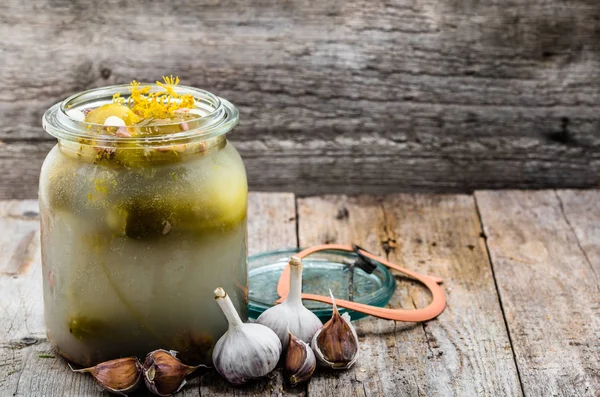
(291, 315)
(336, 344)
(246, 351)
(119, 376)
(164, 374)
(300, 361)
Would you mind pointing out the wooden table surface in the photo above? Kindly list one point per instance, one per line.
(521, 271)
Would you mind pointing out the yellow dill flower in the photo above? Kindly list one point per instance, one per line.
(117, 98)
(157, 105)
(169, 85)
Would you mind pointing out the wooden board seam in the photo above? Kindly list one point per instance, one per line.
(491, 263)
(572, 230)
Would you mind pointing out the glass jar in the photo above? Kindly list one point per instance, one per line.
(137, 232)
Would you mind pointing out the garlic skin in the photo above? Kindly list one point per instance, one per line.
(164, 374)
(291, 315)
(245, 351)
(119, 376)
(336, 344)
(300, 361)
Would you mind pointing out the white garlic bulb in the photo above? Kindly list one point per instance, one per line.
(336, 344)
(246, 351)
(291, 315)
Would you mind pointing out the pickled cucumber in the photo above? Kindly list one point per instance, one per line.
(85, 327)
(99, 115)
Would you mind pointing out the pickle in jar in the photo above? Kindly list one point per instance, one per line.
(141, 216)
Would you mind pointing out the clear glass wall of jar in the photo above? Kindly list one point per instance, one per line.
(138, 231)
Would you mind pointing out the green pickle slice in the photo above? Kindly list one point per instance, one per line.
(99, 115)
(145, 218)
(84, 327)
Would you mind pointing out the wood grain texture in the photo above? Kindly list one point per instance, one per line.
(582, 210)
(442, 95)
(29, 366)
(549, 285)
(21, 306)
(20, 163)
(19, 242)
(466, 350)
(271, 222)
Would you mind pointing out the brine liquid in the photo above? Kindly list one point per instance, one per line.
(131, 256)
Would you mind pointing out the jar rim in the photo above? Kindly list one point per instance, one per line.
(218, 116)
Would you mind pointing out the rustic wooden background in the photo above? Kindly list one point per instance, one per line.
(335, 96)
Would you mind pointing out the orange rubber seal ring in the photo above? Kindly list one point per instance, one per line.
(437, 305)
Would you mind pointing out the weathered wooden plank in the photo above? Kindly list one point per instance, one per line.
(20, 164)
(21, 276)
(582, 210)
(28, 366)
(461, 94)
(357, 166)
(271, 222)
(548, 285)
(21, 306)
(466, 350)
(20, 237)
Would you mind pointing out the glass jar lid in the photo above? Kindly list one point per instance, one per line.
(322, 271)
(215, 116)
